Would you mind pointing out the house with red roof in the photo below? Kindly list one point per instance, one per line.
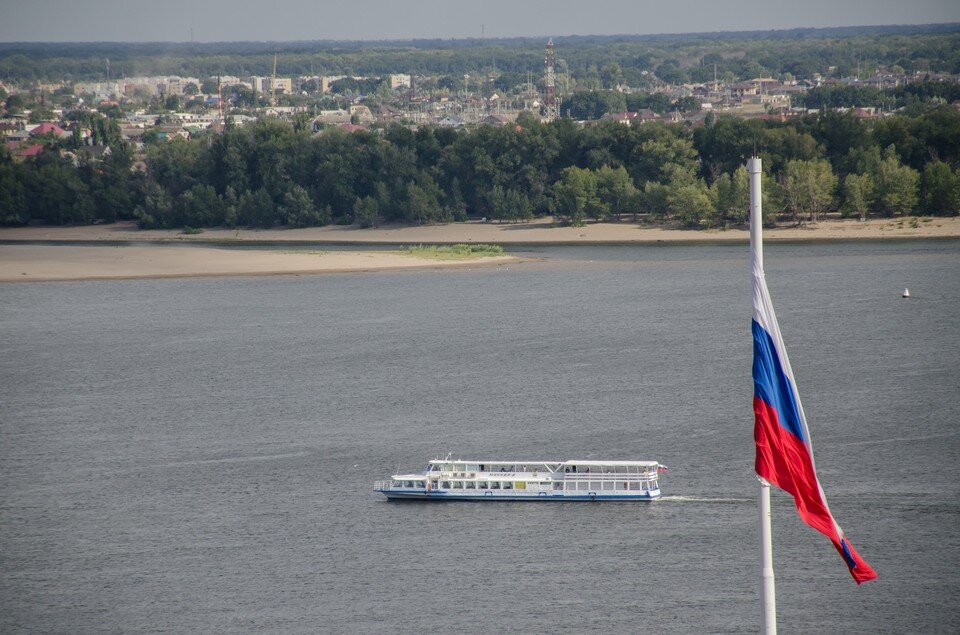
(50, 129)
(626, 118)
(29, 152)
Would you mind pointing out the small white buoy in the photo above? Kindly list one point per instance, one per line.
(906, 293)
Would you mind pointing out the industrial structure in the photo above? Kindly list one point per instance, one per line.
(551, 109)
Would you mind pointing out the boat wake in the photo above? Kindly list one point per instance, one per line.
(702, 499)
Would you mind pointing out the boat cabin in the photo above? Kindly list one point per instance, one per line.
(473, 479)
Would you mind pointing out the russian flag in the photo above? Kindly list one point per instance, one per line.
(784, 453)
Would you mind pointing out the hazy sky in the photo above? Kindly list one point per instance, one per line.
(224, 20)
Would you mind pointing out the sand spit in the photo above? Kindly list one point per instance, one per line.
(35, 263)
(537, 232)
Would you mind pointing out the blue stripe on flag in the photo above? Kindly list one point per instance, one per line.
(851, 562)
(771, 384)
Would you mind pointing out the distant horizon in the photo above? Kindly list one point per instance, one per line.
(222, 21)
(944, 26)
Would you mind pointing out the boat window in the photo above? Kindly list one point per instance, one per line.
(457, 485)
(507, 485)
(608, 485)
(472, 467)
(482, 485)
(494, 484)
(558, 485)
(445, 485)
(583, 485)
(471, 485)
(634, 485)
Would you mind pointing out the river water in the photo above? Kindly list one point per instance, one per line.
(197, 455)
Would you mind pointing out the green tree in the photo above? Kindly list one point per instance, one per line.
(298, 209)
(653, 199)
(114, 186)
(15, 103)
(857, 195)
(688, 199)
(731, 196)
(896, 190)
(941, 189)
(509, 204)
(687, 104)
(576, 196)
(256, 209)
(156, 209)
(808, 186)
(14, 208)
(366, 212)
(611, 76)
(200, 206)
(652, 160)
(422, 203)
(616, 191)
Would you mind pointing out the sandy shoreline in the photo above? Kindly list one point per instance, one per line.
(49, 263)
(121, 251)
(540, 232)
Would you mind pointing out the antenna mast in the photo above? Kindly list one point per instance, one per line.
(551, 109)
(273, 81)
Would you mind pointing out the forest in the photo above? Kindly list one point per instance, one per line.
(583, 62)
(280, 173)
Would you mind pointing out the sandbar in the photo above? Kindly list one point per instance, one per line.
(538, 232)
(53, 262)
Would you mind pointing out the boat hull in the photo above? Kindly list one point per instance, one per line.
(398, 495)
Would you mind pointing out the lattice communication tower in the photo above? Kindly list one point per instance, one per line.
(551, 109)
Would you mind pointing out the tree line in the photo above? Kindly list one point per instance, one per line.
(593, 62)
(279, 173)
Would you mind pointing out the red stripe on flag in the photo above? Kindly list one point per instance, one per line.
(784, 461)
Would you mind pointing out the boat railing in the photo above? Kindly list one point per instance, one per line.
(379, 486)
(601, 476)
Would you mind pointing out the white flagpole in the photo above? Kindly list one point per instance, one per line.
(768, 590)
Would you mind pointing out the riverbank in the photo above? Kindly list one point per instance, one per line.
(539, 232)
(53, 262)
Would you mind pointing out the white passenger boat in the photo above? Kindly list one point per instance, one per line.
(446, 479)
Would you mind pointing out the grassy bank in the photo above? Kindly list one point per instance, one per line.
(460, 251)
